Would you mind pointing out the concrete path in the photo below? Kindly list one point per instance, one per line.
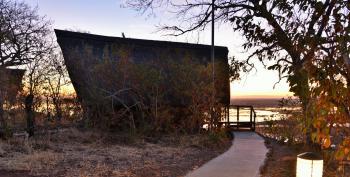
(243, 159)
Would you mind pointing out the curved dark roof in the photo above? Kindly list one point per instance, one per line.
(70, 34)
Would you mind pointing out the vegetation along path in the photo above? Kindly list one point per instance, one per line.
(244, 158)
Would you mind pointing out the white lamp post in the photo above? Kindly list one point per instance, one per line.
(309, 164)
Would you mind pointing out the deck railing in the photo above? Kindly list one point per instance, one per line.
(239, 124)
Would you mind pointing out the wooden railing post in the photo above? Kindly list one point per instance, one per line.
(254, 120)
(251, 114)
(251, 117)
(244, 124)
(228, 115)
(237, 117)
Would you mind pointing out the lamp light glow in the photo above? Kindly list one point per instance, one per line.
(309, 164)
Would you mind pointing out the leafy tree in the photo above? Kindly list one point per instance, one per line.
(56, 78)
(23, 36)
(165, 94)
(291, 34)
(330, 78)
(23, 33)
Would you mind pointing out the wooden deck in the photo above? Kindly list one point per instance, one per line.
(239, 124)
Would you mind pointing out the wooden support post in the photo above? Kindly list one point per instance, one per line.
(237, 117)
(227, 111)
(251, 117)
(254, 120)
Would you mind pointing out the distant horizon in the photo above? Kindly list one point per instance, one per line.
(260, 95)
(261, 101)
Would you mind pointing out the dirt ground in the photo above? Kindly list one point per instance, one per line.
(72, 152)
(281, 161)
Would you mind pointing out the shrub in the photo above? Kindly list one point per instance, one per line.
(159, 96)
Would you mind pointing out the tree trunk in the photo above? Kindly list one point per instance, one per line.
(2, 118)
(58, 109)
(58, 113)
(30, 114)
(302, 90)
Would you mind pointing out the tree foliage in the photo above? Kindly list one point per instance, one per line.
(164, 94)
(23, 33)
(23, 38)
(307, 42)
(289, 33)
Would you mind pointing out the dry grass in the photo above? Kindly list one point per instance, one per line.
(42, 162)
(71, 152)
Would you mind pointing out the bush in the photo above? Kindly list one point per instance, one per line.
(217, 138)
(289, 128)
(161, 96)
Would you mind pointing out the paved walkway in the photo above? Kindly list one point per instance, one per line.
(243, 159)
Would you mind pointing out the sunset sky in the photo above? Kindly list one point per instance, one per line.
(108, 18)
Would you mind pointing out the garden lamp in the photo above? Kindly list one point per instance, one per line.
(309, 164)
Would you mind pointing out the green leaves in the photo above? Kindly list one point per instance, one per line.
(274, 67)
(236, 68)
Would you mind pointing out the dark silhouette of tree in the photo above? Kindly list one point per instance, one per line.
(23, 33)
(34, 81)
(55, 79)
(30, 114)
(291, 33)
(23, 37)
(329, 74)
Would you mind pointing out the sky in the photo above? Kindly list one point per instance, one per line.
(108, 17)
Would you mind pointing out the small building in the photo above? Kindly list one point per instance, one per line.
(10, 83)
